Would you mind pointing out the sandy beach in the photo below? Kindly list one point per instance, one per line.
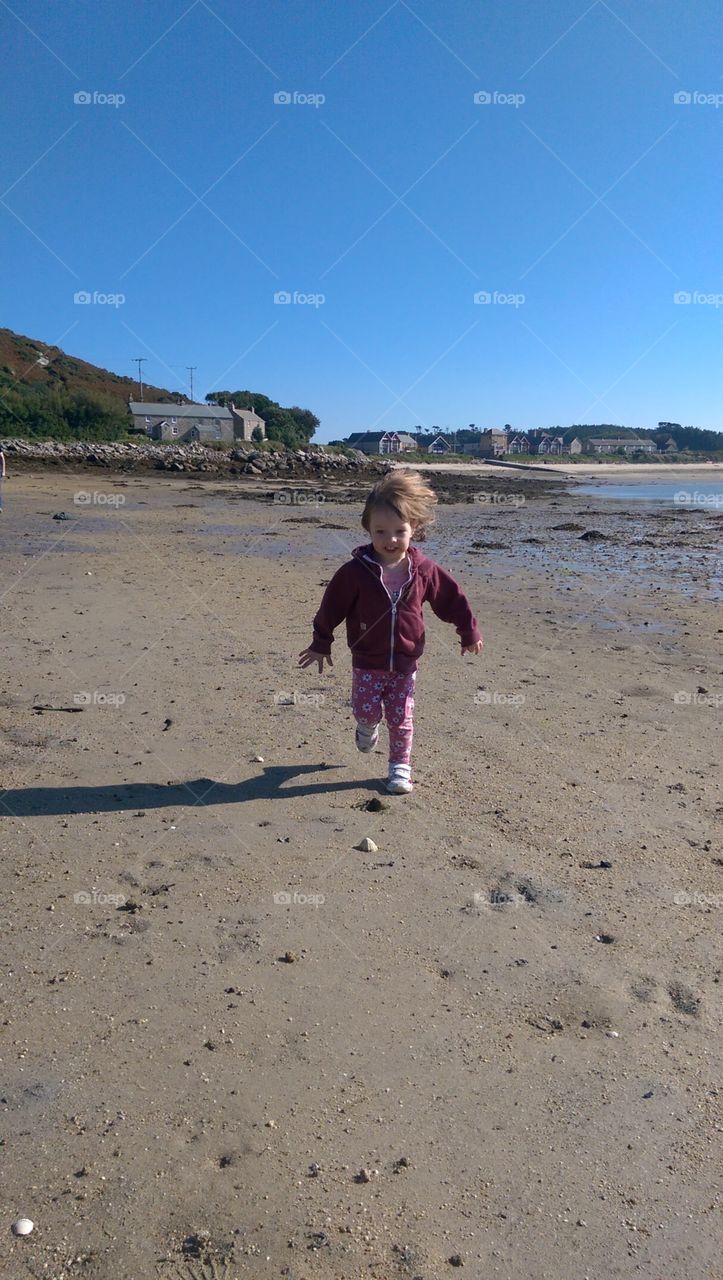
(234, 1044)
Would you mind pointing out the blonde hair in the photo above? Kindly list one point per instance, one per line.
(406, 493)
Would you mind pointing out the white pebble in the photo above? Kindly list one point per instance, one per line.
(22, 1227)
(367, 846)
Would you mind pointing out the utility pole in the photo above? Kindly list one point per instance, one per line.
(191, 369)
(139, 360)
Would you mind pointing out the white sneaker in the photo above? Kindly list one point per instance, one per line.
(366, 739)
(399, 781)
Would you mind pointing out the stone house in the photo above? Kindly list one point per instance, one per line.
(186, 422)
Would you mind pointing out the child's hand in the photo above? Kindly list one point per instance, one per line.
(307, 656)
(473, 648)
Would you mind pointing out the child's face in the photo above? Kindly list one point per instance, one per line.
(390, 534)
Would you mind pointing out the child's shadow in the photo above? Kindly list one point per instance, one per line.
(199, 793)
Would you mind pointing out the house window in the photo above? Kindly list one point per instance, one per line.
(174, 419)
(174, 430)
(148, 422)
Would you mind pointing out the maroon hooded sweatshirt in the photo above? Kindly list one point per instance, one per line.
(383, 636)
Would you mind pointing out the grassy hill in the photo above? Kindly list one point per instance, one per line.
(29, 362)
(45, 393)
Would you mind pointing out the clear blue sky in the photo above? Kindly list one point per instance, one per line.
(397, 199)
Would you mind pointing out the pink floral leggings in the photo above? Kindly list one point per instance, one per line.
(369, 689)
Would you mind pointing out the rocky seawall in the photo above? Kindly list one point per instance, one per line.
(131, 456)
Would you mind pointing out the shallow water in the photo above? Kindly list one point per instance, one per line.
(707, 495)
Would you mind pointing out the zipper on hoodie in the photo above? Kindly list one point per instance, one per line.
(393, 603)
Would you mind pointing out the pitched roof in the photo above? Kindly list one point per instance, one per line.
(147, 409)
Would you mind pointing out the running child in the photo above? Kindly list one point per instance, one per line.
(380, 593)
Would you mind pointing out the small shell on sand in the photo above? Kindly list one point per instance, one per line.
(367, 846)
(22, 1227)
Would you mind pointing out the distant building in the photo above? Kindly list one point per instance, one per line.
(439, 445)
(200, 422)
(555, 446)
(668, 446)
(611, 444)
(493, 443)
(381, 441)
(519, 443)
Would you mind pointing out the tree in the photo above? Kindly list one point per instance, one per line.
(292, 427)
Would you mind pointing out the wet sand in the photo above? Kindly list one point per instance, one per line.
(218, 1011)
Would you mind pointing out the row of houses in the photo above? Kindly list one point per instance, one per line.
(494, 443)
(207, 423)
(204, 423)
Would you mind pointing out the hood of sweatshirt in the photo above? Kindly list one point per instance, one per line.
(417, 558)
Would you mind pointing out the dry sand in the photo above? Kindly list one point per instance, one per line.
(218, 1011)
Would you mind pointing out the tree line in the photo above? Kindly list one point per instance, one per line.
(292, 427)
